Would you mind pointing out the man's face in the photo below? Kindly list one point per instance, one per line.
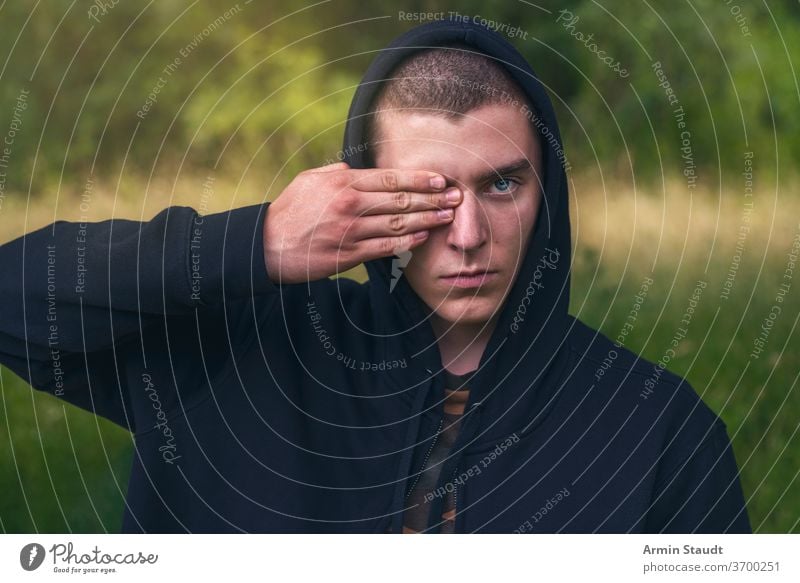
(491, 227)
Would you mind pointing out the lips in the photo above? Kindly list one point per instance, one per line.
(469, 279)
(469, 273)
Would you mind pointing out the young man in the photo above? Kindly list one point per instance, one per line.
(452, 392)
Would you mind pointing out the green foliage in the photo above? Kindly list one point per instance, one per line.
(257, 87)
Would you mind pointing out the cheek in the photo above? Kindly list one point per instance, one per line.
(507, 229)
(419, 270)
(515, 222)
(511, 227)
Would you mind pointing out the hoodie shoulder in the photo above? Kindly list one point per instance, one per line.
(619, 371)
(696, 486)
(591, 345)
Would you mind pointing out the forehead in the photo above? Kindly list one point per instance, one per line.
(484, 138)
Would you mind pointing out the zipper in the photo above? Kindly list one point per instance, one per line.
(425, 461)
(396, 521)
(455, 499)
(473, 410)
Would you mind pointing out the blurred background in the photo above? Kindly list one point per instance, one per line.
(122, 108)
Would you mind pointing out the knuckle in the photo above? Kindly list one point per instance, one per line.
(387, 246)
(402, 200)
(347, 202)
(397, 222)
(389, 180)
(337, 179)
(348, 248)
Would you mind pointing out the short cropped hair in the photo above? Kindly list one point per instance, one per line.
(447, 81)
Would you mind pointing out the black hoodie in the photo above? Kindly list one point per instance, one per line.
(258, 407)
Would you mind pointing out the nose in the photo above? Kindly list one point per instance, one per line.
(467, 231)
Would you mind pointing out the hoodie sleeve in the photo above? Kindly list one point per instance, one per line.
(78, 297)
(703, 494)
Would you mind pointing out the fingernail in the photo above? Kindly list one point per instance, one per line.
(445, 214)
(453, 194)
(420, 234)
(437, 182)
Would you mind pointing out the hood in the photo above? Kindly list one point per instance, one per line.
(533, 322)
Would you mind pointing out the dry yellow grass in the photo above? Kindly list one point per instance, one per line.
(667, 225)
(612, 219)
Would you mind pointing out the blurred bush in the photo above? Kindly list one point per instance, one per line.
(265, 84)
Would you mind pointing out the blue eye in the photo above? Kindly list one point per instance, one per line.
(504, 186)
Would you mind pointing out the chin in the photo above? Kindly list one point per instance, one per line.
(467, 310)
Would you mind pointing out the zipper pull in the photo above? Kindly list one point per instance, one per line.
(475, 410)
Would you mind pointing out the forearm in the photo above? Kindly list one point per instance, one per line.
(81, 286)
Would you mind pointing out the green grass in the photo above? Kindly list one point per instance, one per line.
(63, 470)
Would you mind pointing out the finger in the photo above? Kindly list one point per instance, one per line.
(398, 224)
(382, 180)
(403, 201)
(378, 247)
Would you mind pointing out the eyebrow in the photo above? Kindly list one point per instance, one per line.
(515, 166)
